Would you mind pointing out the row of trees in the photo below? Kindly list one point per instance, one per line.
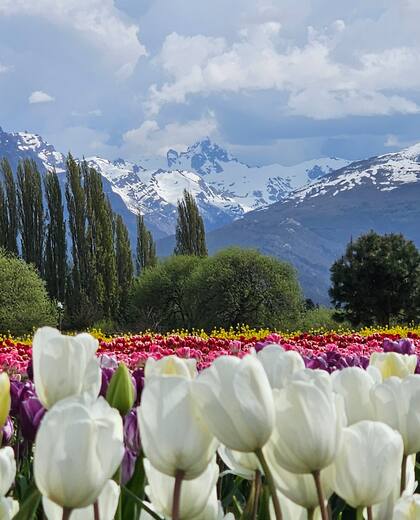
(77, 243)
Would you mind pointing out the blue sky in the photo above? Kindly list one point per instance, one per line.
(272, 80)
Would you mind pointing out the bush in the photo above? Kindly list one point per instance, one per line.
(24, 302)
(161, 297)
(243, 286)
(321, 318)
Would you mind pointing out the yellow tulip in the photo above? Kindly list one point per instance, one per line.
(393, 364)
(4, 398)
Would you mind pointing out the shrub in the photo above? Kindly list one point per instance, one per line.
(24, 302)
(243, 286)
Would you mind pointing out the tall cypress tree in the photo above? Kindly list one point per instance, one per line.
(31, 212)
(3, 219)
(77, 299)
(124, 265)
(55, 270)
(101, 243)
(190, 234)
(146, 247)
(11, 206)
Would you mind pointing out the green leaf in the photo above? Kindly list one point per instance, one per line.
(130, 507)
(29, 505)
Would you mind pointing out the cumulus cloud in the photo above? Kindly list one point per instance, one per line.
(38, 96)
(99, 21)
(149, 138)
(318, 85)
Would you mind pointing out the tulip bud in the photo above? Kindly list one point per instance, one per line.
(121, 392)
(5, 400)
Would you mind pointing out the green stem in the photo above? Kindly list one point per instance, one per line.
(179, 475)
(142, 504)
(270, 481)
(317, 478)
(310, 513)
(359, 513)
(403, 474)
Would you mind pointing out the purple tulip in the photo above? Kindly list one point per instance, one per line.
(7, 431)
(131, 432)
(138, 380)
(107, 373)
(31, 414)
(403, 346)
(30, 370)
(128, 466)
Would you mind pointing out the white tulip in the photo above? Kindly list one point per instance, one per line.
(384, 510)
(364, 470)
(308, 424)
(171, 366)
(8, 508)
(107, 506)
(7, 469)
(279, 365)
(292, 511)
(173, 433)
(354, 385)
(78, 448)
(407, 508)
(213, 510)
(300, 488)
(239, 463)
(397, 403)
(237, 402)
(394, 364)
(64, 366)
(195, 493)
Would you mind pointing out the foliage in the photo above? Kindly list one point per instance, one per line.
(160, 297)
(190, 234)
(146, 248)
(320, 318)
(24, 302)
(124, 266)
(243, 286)
(377, 280)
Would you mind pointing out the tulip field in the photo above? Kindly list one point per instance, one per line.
(237, 424)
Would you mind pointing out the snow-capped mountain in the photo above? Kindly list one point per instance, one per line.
(224, 187)
(252, 187)
(311, 227)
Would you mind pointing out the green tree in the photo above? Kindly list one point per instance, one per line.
(24, 302)
(190, 234)
(238, 286)
(79, 308)
(161, 298)
(124, 265)
(3, 219)
(31, 212)
(11, 205)
(100, 236)
(146, 247)
(377, 280)
(55, 270)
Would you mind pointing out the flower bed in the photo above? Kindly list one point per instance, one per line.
(330, 351)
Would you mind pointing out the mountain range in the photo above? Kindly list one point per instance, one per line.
(304, 214)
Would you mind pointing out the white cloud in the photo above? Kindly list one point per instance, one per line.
(99, 21)
(317, 83)
(38, 96)
(150, 139)
(4, 68)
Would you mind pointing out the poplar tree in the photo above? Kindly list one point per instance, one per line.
(55, 270)
(11, 207)
(77, 299)
(146, 247)
(3, 219)
(190, 234)
(124, 265)
(101, 244)
(31, 213)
